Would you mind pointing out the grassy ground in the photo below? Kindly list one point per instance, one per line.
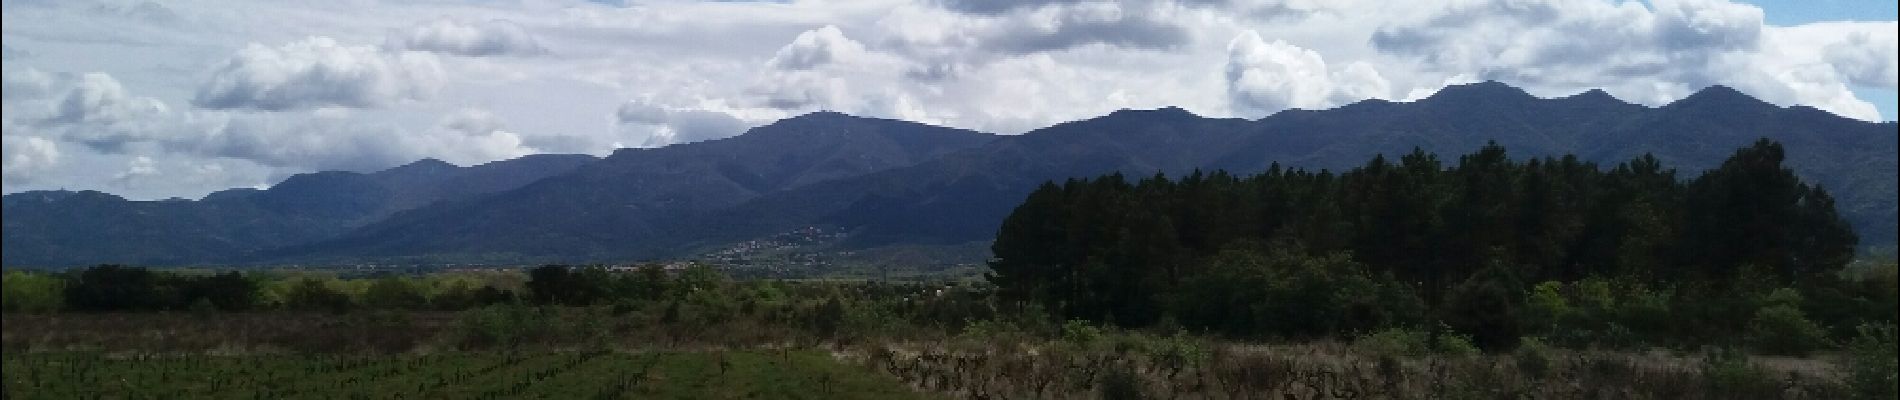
(770, 374)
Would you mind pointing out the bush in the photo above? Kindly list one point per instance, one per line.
(31, 292)
(1545, 307)
(1782, 329)
(1121, 383)
(1533, 357)
(394, 293)
(502, 325)
(1394, 342)
(1080, 333)
(310, 294)
(1872, 363)
(1730, 375)
(1455, 344)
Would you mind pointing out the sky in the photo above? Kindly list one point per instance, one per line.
(153, 100)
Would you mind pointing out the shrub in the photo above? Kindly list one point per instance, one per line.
(1782, 329)
(31, 292)
(1121, 383)
(1872, 363)
(1533, 357)
(1730, 375)
(1396, 342)
(501, 325)
(1545, 307)
(1080, 333)
(394, 293)
(310, 294)
(1455, 344)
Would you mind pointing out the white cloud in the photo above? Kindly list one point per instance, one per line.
(469, 137)
(319, 72)
(1867, 55)
(26, 83)
(99, 99)
(448, 36)
(262, 90)
(136, 172)
(24, 157)
(1263, 78)
(1645, 55)
(96, 111)
(817, 47)
(655, 126)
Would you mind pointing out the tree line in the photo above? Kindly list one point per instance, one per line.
(694, 296)
(1483, 245)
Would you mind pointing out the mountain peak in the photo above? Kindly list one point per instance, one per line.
(821, 115)
(1720, 97)
(426, 164)
(1163, 112)
(1592, 94)
(1594, 98)
(1480, 90)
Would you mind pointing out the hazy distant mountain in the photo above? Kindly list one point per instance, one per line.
(624, 204)
(964, 196)
(71, 228)
(898, 183)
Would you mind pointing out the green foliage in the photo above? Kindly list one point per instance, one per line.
(1244, 293)
(1532, 357)
(1455, 344)
(31, 292)
(564, 285)
(1782, 329)
(1394, 342)
(1487, 305)
(1120, 383)
(1081, 333)
(1301, 254)
(1546, 308)
(115, 287)
(1871, 362)
(394, 294)
(1729, 375)
(827, 318)
(312, 294)
(499, 326)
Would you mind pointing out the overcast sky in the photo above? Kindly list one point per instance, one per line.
(180, 98)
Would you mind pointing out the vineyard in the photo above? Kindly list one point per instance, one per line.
(786, 374)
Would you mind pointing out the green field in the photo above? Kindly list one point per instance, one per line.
(558, 375)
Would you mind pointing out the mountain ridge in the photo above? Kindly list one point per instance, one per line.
(893, 182)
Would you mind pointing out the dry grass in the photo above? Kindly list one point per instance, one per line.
(1328, 371)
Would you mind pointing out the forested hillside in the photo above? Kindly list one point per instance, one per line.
(1486, 245)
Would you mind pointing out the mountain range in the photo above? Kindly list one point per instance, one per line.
(888, 183)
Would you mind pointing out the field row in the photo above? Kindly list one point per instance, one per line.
(564, 375)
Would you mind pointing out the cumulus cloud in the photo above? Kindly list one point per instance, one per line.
(994, 7)
(99, 99)
(25, 83)
(816, 47)
(995, 31)
(340, 142)
(658, 126)
(96, 111)
(448, 36)
(1263, 78)
(319, 72)
(1868, 57)
(404, 80)
(1644, 54)
(22, 158)
(139, 169)
(471, 136)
